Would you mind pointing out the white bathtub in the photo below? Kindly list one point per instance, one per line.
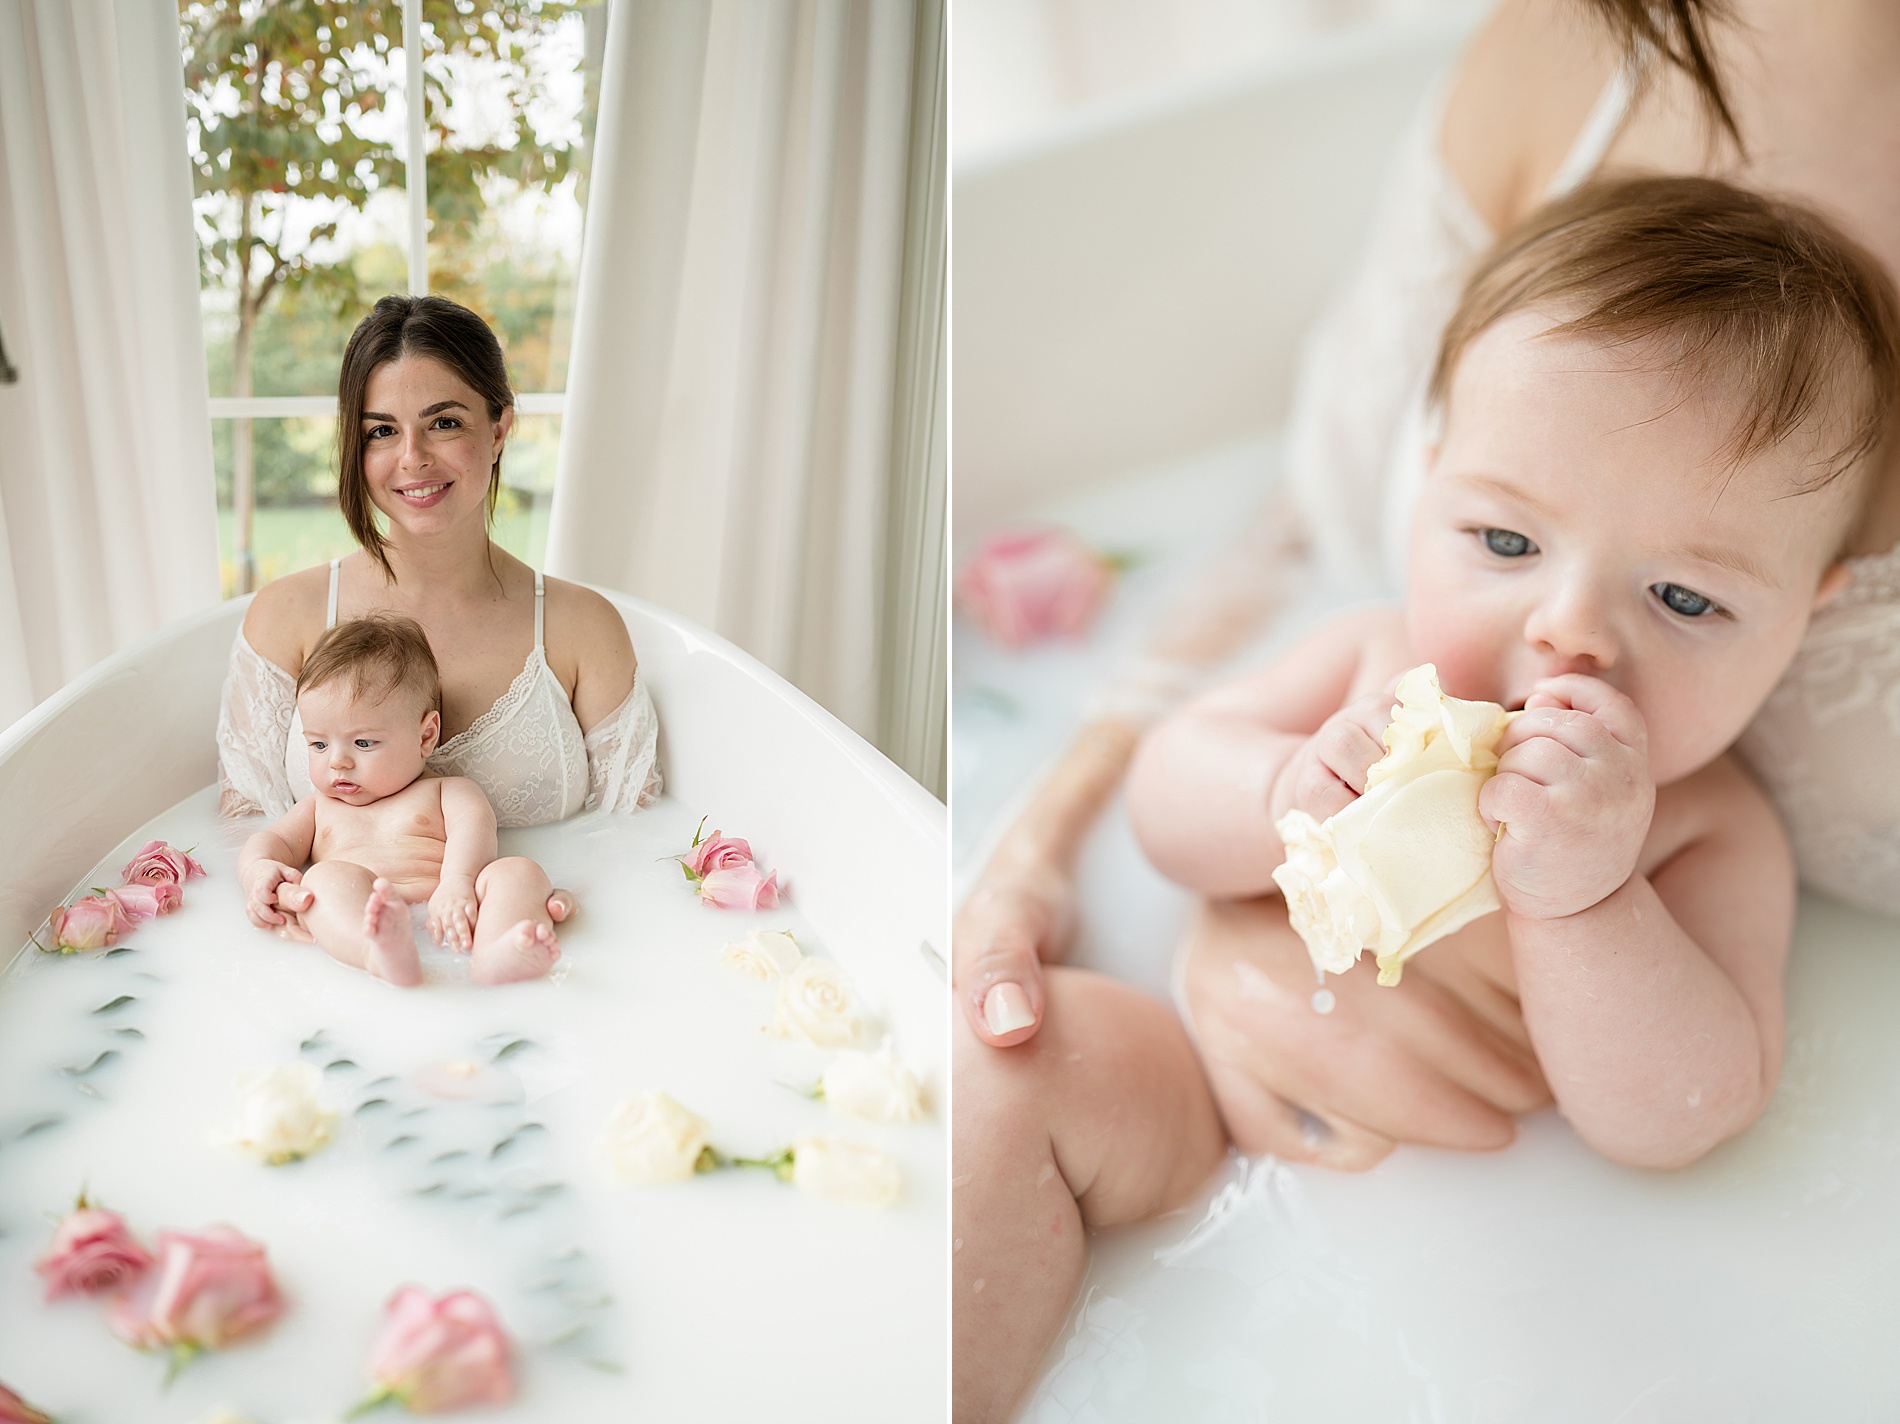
(733, 1288)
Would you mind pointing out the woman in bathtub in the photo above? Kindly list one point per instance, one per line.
(541, 705)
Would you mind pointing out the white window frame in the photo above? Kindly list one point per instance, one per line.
(416, 181)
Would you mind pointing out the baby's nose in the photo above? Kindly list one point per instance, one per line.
(1573, 630)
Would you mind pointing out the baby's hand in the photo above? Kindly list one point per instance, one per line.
(1574, 794)
(1328, 773)
(261, 882)
(452, 914)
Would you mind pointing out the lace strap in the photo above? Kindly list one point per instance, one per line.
(1600, 129)
(330, 617)
(539, 600)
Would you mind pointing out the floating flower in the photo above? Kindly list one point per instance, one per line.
(148, 900)
(15, 1410)
(161, 864)
(279, 1116)
(435, 1355)
(873, 1086)
(845, 1171)
(817, 1003)
(721, 871)
(91, 1251)
(96, 922)
(1026, 584)
(208, 1289)
(763, 954)
(651, 1138)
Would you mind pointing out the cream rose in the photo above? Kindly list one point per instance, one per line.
(651, 1138)
(280, 1117)
(817, 1003)
(873, 1086)
(1410, 861)
(763, 954)
(845, 1171)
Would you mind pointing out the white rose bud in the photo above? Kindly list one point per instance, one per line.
(873, 1086)
(817, 1003)
(845, 1171)
(651, 1138)
(279, 1116)
(1410, 861)
(763, 954)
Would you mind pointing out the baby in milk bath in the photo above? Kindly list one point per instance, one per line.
(1661, 402)
(380, 835)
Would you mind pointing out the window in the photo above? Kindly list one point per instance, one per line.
(308, 209)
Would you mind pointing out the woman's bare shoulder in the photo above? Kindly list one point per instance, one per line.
(287, 614)
(587, 622)
(1524, 88)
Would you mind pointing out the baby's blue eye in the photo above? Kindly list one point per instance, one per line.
(1680, 600)
(363, 742)
(1507, 544)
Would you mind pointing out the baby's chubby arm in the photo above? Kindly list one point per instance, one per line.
(1653, 1001)
(1208, 782)
(468, 822)
(274, 857)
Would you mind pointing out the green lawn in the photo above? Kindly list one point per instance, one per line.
(291, 537)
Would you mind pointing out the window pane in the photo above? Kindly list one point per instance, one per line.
(527, 487)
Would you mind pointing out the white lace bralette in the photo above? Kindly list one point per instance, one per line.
(527, 752)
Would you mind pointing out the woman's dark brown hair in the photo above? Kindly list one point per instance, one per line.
(1678, 30)
(435, 327)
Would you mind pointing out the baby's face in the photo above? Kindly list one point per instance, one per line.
(363, 750)
(1580, 517)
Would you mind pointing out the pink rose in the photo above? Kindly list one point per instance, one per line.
(739, 887)
(160, 864)
(145, 901)
(1026, 584)
(717, 852)
(15, 1410)
(209, 1288)
(95, 922)
(91, 1252)
(434, 1355)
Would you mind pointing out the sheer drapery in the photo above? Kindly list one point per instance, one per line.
(727, 449)
(107, 505)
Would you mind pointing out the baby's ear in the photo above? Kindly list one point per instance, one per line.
(1833, 582)
(431, 732)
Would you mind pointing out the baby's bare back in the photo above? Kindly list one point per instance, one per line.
(401, 837)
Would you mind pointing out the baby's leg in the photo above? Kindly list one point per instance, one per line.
(1102, 1118)
(514, 935)
(362, 921)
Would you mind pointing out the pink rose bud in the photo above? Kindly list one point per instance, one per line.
(95, 922)
(739, 887)
(147, 900)
(15, 1410)
(209, 1288)
(1026, 584)
(160, 864)
(435, 1355)
(717, 852)
(91, 1252)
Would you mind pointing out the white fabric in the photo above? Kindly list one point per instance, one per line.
(726, 450)
(1826, 744)
(527, 752)
(108, 515)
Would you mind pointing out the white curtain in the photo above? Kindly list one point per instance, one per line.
(107, 506)
(727, 450)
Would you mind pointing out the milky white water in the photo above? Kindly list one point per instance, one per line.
(726, 1297)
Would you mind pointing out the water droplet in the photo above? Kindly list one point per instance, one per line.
(977, 1289)
(1323, 1001)
(1695, 1097)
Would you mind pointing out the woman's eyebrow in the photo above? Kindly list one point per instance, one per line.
(435, 409)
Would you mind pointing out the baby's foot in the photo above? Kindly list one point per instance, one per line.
(392, 939)
(560, 905)
(525, 952)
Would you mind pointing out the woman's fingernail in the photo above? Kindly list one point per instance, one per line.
(1006, 1009)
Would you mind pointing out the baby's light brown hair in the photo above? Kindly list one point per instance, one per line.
(381, 654)
(1759, 292)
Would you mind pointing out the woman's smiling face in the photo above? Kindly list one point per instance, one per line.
(428, 445)
(1581, 516)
